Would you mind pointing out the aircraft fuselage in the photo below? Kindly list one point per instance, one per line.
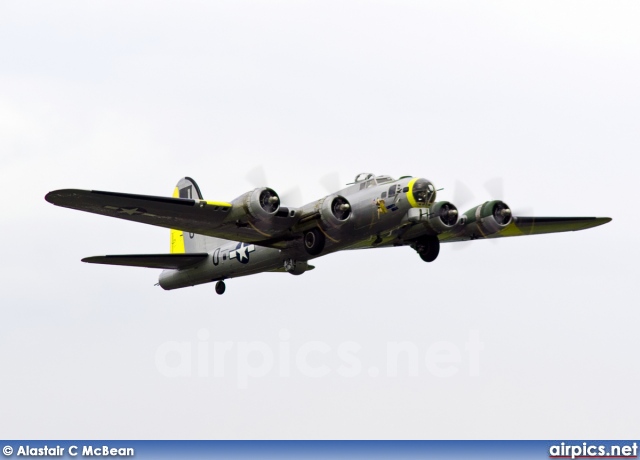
(378, 213)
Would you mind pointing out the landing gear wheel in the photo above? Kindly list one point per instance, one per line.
(313, 241)
(220, 287)
(428, 248)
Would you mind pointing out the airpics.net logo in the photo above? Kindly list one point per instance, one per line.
(590, 450)
(244, 361)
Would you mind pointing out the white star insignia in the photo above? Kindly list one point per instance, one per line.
(129, 211)
(242, 252)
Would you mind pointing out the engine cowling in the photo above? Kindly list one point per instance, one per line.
(262, 203)
(335, 210)
(490, 217)
(442, 217)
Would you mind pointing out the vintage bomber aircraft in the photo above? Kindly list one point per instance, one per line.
(215, 241)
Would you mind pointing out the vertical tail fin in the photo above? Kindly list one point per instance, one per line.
(183, 242)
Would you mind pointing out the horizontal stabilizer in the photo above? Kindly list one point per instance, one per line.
(175, 261)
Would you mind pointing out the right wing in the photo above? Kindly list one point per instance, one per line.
(212, 218)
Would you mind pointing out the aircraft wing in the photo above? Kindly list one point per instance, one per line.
(175, 261)
(521, 226)
(211, 218)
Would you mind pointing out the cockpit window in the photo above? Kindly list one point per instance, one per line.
(363, 177)
(392, 190)
(383, 179)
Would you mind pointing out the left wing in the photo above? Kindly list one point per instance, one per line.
(522, 226)
(212, 218)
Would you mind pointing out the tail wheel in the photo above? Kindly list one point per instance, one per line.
(220, 287)
(313, 241)
(428, 248)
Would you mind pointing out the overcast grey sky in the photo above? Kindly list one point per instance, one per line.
(131, 96)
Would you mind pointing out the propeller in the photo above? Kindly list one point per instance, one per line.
(340, 208)
(292, 196)
(269, 201)
(257, 177)
(331, 182)
(464, 197)
(448, 214)
(495, 187)
(501, 213)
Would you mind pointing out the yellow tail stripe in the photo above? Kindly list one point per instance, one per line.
(177, 237)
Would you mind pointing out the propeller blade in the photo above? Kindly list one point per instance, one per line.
(257, 177)
(460, 245)
(495, 187)
(331, 182)
(523, 212)
(462, 195)
(292, 197)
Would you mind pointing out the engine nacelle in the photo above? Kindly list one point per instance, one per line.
(335, 210)
(490, 217)
(262, 203)
(443, 216)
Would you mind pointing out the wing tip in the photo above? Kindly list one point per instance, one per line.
(50, 197)
(602, 221)
(57, 196)
(92, 259)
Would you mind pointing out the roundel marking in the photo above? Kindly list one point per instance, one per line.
(241, 252)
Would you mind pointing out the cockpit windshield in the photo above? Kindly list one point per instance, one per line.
(367, 180)
(363, 177)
